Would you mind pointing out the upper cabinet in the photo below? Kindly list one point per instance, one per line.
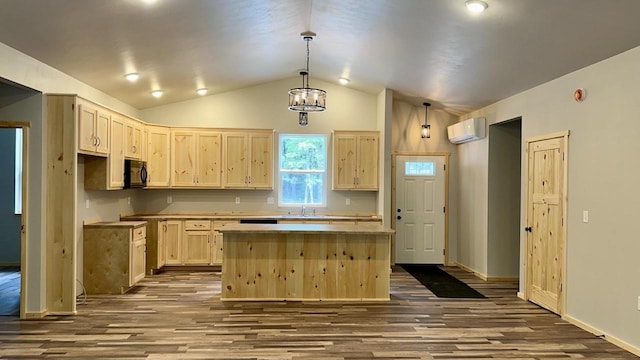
(355, 160)
(107, 173)
(94, 127)
(195, 158)
(248, 159)
(133, 136)
(158, 163)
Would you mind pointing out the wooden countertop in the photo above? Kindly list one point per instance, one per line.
(131, 224)
(305, 229)
(249, 216)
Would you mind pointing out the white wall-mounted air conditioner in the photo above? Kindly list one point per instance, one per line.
(467, 130)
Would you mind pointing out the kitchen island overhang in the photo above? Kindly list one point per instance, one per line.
(306, 262)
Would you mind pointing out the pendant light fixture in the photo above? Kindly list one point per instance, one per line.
(425, 132)
(305, 99)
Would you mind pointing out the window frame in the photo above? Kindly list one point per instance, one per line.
(18, 173)
(323, 203)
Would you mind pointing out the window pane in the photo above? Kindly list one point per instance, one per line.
(419, 168)
(302, 188)
(302, 170)
(303, 152)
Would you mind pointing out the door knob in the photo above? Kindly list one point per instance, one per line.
(399, 217)
(399, 210)
(528, 228)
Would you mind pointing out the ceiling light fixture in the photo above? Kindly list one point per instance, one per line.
(343, 81)
(305, 99)
(425, 131)
(476, 5)
(132, 77)
(157, 93)
(202, 91)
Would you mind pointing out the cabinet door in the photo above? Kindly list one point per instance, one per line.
(235, 161)
(138, 263)
(368, 153)
(197, 247)
(158, 157)
(209, 146)
(261, 161)
(133, 149)
(344, 161)
(102, 131)
(173, 243)
(162, 235)
(86, 124)
(216, 249)
(183, 158)
(116, 157)
(144, 140)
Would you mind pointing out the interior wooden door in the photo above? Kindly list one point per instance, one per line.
(545, 224)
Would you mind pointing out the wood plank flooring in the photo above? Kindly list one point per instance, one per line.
(179, 315)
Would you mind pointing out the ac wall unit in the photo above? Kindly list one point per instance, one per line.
(467, 130)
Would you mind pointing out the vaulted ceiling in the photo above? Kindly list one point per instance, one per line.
(433, 50)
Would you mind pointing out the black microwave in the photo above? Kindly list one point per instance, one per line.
(135, 174)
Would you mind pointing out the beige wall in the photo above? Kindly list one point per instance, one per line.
(602, 286)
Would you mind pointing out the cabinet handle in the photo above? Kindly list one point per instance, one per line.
(133, 148)
(98, 139)
(249, 179)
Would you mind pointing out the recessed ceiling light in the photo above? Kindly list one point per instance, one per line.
(202, 91)
(476, 5)
(343, 81)
(157, 93)
(132, 77)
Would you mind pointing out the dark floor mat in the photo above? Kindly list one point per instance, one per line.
(441, 283)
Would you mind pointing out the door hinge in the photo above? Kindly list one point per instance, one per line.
(443, 252)
(444, 209)
(563, 156)
(444, 167)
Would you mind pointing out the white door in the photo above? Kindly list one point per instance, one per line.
(420, 209)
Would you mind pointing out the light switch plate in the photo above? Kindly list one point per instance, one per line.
(237, 199)
(87, 202)
(585, 216)
(348, 201)
(169, 199)
(270, 200)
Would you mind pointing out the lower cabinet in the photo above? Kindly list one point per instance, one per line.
(156, 254)
(173, 242)
(196, 242)
(114, 256)
(216, 249)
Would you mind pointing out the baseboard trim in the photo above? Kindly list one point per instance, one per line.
(520, 294)
(486, 277)
(468, 269)
(612, 339)
(34, 315)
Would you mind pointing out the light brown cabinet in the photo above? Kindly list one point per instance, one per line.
(355, 160)
(133, 140)
(248, 160)
(218, 241)
(93, 129)
(197, 242)
(173, 243)
(107, 173)
(158, 160)
(195, 158)
(114, 256)
(156, 235)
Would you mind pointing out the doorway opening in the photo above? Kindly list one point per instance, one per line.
(11, 183)
(504, 200)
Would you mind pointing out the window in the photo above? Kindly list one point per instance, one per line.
(303, 170)
(18, 173)
(419, 168)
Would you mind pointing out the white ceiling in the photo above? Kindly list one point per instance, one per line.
(432, 50)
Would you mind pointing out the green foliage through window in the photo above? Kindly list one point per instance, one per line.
(303, 167)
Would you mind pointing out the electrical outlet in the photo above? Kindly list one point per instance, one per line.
(87, 203)
(128, 200)
(270, 200)
(169, 199)
(585, 216)
(237, 199)
(638, 302)
(348, 201)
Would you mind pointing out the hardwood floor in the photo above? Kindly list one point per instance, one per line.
(179, 315)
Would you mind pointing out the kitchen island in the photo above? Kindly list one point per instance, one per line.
(306, 262)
